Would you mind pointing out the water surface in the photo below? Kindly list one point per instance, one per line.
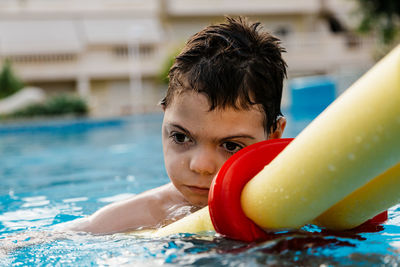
(55, 172)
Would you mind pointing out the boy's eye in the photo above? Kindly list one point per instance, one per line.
(180, 138)
(232, 147)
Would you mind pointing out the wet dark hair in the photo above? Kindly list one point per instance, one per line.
(235, 64)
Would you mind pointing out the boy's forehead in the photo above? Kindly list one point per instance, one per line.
(183, 95)
(191, 108)
(184, 99)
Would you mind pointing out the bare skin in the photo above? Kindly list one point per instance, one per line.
(196, 143)
(149, 209)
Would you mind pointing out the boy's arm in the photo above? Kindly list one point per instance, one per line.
(145, 210)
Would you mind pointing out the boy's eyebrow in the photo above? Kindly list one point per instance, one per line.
(238, 136)
(179, 127)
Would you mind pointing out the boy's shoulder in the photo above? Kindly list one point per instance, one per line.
(163, 195)
(149, 209)
(167, 204)
(153, 205)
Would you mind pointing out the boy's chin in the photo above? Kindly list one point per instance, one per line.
(199, 202)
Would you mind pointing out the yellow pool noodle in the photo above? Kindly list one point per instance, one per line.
(354, 140)
(364, 203)
(199, 221)
(355, 209)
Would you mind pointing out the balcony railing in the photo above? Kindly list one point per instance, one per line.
(322, 52)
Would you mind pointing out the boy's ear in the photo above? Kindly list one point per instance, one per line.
(280, 127)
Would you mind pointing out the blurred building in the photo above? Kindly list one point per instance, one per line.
(112, 51)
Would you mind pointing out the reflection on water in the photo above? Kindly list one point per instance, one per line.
(291, 249)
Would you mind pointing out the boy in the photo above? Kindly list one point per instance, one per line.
(224, 94)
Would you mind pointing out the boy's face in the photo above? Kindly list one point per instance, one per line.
(197, 142)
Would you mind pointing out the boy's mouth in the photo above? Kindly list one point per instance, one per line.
(198, 190)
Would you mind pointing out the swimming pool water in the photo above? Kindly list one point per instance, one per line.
(55, 172)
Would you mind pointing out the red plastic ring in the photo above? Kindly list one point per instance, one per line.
(225, 208)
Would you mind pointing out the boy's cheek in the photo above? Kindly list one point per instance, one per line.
(174, 167)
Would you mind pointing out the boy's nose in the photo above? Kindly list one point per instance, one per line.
(204, 162)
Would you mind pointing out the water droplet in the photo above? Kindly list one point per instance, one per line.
(358, 139)
(12, 195)
(331, 167)
(130, 178)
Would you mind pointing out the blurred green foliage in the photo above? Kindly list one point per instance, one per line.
(55, 106)
(9, 83)
(382, 16)
(169, 61)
